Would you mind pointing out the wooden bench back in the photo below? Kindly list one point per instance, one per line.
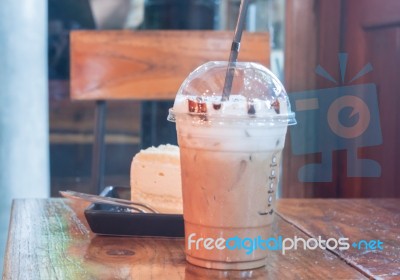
(149, 65)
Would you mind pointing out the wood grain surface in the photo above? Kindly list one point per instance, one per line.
(148, 65)
(356, 219)
(49, 239)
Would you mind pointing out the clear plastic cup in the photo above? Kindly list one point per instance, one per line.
(230, 155)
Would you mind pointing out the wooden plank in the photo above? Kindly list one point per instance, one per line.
(300, 60)
(48, 240)
(149, 65)
(39, 241)
(312, 38)
(355, 219)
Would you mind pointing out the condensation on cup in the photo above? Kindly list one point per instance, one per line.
(230, 157)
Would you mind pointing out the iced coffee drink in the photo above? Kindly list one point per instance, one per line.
(230, 157)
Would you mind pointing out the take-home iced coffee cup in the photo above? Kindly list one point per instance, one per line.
(230, 161)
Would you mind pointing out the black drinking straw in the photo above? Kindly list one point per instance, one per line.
(235, 50)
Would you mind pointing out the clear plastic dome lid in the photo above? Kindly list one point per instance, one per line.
(256, 96)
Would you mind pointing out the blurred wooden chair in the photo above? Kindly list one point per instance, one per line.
(144, 65)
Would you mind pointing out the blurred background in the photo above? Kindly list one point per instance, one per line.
(71, 123)
(46, 139)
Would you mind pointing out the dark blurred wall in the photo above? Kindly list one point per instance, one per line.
(64, 16)
(171, 14)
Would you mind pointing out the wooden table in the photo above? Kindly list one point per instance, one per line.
(49, 240)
